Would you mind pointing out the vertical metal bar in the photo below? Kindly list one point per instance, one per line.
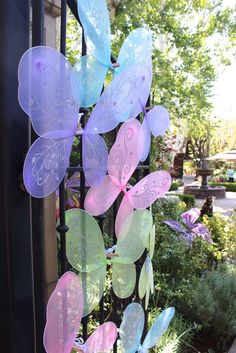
(101, 304)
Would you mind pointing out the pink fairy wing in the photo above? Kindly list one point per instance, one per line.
(149, 189)
(102, 339)
(124, 210)
(119, 100)
(64, 313)
(99, 199)
(45, 165)
(95, 156)
(125, 154)
(190, 217)
(158, 120)
(147, 140)
(45, 92)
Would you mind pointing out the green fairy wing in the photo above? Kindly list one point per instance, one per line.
(84, 242)
(130, 246)
(86, 253)
(146, 284)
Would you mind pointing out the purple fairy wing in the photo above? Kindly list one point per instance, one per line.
(45, 165)
(158, 120)
(202, 231)
(87, 83)
(175, 225)
(119, 100)
(147, 140)
(188, 237)
(45, 92)
(190, 217)
(95, 156)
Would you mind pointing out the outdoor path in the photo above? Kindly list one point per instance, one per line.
(226, 206)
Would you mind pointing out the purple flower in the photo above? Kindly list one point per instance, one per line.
(188, 229)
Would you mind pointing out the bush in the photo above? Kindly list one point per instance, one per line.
(215, 304)
(229, 186)
(189, 200)
(174, 186)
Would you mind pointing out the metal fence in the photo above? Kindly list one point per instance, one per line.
(23, 306)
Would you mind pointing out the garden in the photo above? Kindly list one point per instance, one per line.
(126, 185)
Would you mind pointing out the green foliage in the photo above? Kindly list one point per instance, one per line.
(229, 186)
(188, 199)
(224, 236)
(214, 302)
(175, 185)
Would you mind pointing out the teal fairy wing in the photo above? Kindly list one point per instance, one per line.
(88, 80)
(158, 328)
(131, 328)
(95, 19)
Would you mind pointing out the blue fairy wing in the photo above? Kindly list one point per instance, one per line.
(87, 83)
(158, 328)
(158, 120)
(136, 49)
(95, 19)
(131, 328)
(45, 92)
(45, 165)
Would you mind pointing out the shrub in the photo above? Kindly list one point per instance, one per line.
(214, 302)
(174, 186)
(189, 200)
(229, 186)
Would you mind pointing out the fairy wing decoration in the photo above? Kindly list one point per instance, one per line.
(45, 94)
(101, 340)
(146, 282)
(86, 253)
(64, 313)
(131, 328)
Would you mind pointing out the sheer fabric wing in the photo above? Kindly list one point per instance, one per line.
(125, 154)
(45, 165)
(45, 92)
(149, 189)
(158, 120)
(119, 100)
(133, 236)
(123, 212)
(135, 49)
(95, 156)
(190, 217)
(102, 339)
(158, 328)
(131, 328)
(123, 279)
(93, 284)
(99, 199)
(64, 313)
(143, 281)
(82, 238)
(147, 140)
(88, 80)
(94, 17)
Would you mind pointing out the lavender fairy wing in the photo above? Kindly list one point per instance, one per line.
(147, 140)
(45, 165)
(202, 231)
(119, 100)
(87, 83)
(45, 93)
(136, 49)
(95, 19)
(190, 217)
(175, 225)
(158, 120)
(95, 157)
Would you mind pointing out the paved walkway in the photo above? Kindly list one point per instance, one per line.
(226, 206)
